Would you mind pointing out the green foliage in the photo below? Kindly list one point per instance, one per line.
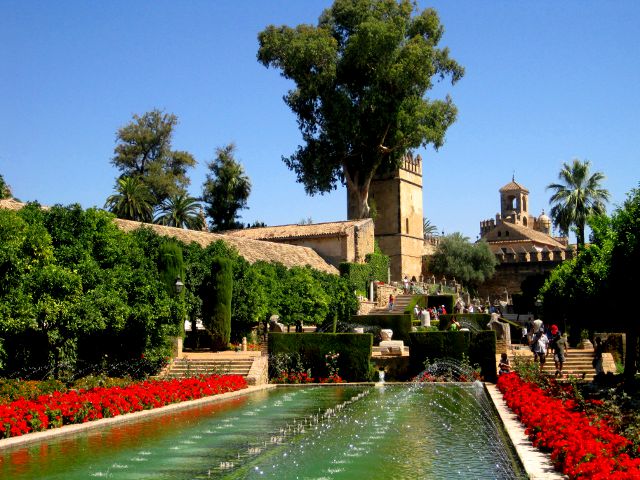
(5, 190)
(474, 321)
(479, 348)
(470, 263)
(347, 110)
(375, 268)
(359, 274)
(181, 211)
(74, 288)
(400, 324)
(144, 151)
(216, 306)
(354, 349)
(132, 200)
(379, 264)
(226, 190)
(577, 197)
(605, 270)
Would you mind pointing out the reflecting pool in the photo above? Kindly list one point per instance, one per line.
(432, 431)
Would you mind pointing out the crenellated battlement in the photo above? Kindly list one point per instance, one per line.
(411, 163)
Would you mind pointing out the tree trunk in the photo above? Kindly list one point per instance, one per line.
(357, 196)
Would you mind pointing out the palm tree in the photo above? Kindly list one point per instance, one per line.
(577, 197)
(181, 211)
(133, 200)
(428, 228)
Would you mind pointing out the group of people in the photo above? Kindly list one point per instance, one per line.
(424, 315)
(542, 342)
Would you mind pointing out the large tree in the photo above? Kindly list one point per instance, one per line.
(471, 263)
(181, 211)
(5, 190)
(579, 195)
(361, 77)
(226, 190)
(132, 200)
(144, 150)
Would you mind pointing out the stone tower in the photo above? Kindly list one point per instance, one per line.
(397, 198)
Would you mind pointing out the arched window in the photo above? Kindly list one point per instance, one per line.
(524, 221)
(506, 234)
(499, 233)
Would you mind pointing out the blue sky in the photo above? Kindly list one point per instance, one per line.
(545, 82)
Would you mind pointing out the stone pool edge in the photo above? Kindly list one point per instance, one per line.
(66, 430)
(537, 464)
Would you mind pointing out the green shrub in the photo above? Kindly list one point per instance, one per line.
(474, 321)
(354, 349)
(479, 348)
(400, 324)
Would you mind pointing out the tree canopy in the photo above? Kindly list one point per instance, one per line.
(601, 278)
(144, 151)
(5, 190)
(470, 263)
(132, 200)
(579, 195)
(361, 77)
(226, 190)
(181, 211)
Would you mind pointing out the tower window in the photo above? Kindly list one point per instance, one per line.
(506, 234)
(499, 233)
(406, 222)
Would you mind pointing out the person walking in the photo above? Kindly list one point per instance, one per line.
(559, 343)
(391, 300)
(597, 357)
(539, 347)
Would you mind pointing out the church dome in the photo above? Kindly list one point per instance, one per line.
(544, 218)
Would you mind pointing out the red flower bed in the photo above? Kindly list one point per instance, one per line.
(57, 409)
(580, 446)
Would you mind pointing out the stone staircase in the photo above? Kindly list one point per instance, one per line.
(398, 307)
(577, 362)
(251, 365)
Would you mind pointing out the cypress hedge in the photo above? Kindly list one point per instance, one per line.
(216, 302)
(354, 349)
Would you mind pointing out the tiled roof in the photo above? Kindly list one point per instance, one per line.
(251, 250)
(513, 186)
(11, 204)
(282, 232)
(525, 234)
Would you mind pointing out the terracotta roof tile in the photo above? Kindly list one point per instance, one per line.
(282, 232)
(513, 186)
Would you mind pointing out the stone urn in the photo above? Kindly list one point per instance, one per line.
(386, 334)
(585, 344)
(358, 330)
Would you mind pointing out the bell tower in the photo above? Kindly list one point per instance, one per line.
(514, 203)
(397, 198)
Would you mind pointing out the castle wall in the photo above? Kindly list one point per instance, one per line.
(510, 276)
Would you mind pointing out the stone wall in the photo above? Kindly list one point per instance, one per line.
(510, 276)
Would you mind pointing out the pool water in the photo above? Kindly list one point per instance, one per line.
(339, 432)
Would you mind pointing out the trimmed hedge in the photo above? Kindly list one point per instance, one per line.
(355, 351)
(416, 299)
(358, 273)
(479, 347)
(400, 324)
(447, 300)
(477, 320)
(376, 268)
